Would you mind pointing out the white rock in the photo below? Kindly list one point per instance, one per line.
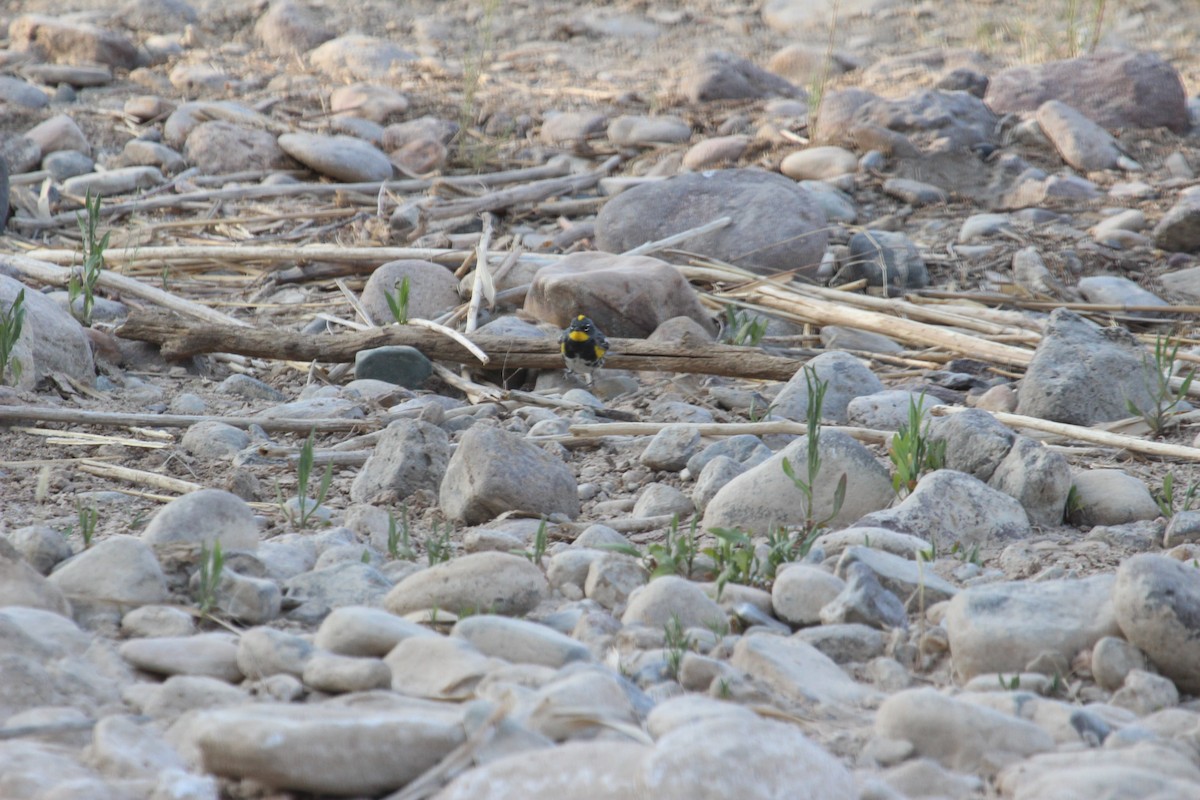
(797, 671)
(490, 582)
(438, 668)
(1003, 627)
(364, 631)
(783, 759)
(325, 749)
(519, 641)
(958, 735)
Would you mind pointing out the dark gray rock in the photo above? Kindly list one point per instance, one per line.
(409, 456)
(1157, 602)
(1122, 89)
(724, 76)
(884, 259)
(949, 508)
(494, 471)
(976, 442)
(785, 231)
(399, 364)
(846, 377)
(865, 601)
(1039, 478)
(927, 120)
(1179, 229)
(1083, 374)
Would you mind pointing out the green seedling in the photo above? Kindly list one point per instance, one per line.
(676, 642)
(1168, 503)
(812, 523)
(734, 557)
(538, 552)
(1165, 398)
(743, 327)
(88, 518)
(212, 563)
(438, 547)
(912, 452)
(11, 321)
(399, 545)
(308, 505)
(82, 283)
(398, 301)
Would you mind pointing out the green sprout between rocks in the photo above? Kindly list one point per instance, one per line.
(88, 517)
(11, 321)
(676, 642)
(212, 563)
(399, 545)
(812, 525)
(1168, 503)
(674, 556)
(307, 505)
(538, 552)
(438, 547)
(743, 327)
(912, 452)
(1165, 398)
(398, 301)
(82, 283)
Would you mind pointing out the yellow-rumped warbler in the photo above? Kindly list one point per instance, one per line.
(583, 347)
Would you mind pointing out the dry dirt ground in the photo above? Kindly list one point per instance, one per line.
(530, 58)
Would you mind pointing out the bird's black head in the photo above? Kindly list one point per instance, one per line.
(582, 323)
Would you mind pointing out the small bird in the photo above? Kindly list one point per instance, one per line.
(583, 347)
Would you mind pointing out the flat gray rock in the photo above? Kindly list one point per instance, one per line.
(490, 582)
(787, 230)
(957, 734)
(1002, 627)
(343, 158)
(949, 508)
(324, 749)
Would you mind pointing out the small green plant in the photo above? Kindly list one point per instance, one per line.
(929, 554)
(676, 555)
(724, 689)
(1168, 503)
(806, 483)
(398, 301)
(1074, 503)
(912, 452)
(212, 563)
(1083, 35)
(743, 327)
(88, 518)
(82, 283)
(366, 556)
(475, 64)
(816, 88)
(11, 321)
(539, 546)
(967, 556)
(308, 505)
(758, 413)
(1165, 398)
(399, 545)
(676, 641)
(1012, 684)
(734, 557)
(438, 547)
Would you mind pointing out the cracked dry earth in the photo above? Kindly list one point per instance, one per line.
(988, 207)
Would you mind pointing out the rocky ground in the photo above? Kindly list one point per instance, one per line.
(674, 578)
